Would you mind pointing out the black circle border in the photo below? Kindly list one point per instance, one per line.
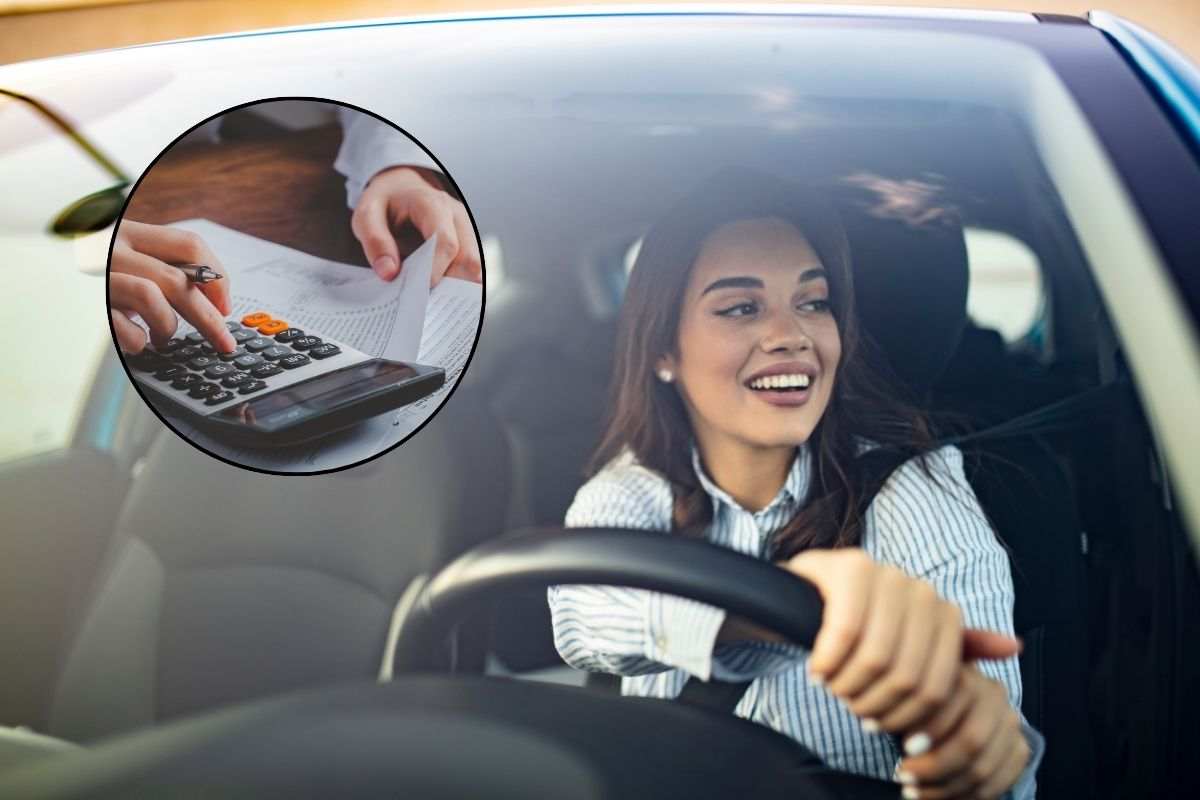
(445, 173)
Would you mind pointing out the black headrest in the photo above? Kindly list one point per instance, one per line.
(910, 284)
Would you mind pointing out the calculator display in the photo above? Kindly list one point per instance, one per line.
(320, 394)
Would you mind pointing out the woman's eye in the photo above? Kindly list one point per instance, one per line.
(738, 310)
(819, 306)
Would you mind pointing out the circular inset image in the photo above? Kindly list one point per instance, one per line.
(295, 285)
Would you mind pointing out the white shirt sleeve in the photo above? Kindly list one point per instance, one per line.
(630, 631)
(932, 526)
(369, 145)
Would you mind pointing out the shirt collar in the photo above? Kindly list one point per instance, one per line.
(793, 491)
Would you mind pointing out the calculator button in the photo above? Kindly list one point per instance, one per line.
(258, 344)
(306, 342)
(236, 354)
(272, 327)
(276, 352)
(207, 349)
(289, 335)
(171, 372)
(232, 326)
(248, 361)
(266, 371)
(235, 380)
(294, 360)
(252, 386)
(324, 350)
(219, 370)
(242, 336)
(169, 347)
(202, 362)
(218, 398)
(195, 337)
(186, 381)
(255, 319)
(201, 390)
(185, 353)
(148, 362)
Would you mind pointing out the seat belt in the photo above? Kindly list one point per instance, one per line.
(877, 466)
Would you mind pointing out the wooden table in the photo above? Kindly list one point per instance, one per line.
(279, 186)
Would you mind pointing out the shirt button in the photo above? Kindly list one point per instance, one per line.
(660, 641)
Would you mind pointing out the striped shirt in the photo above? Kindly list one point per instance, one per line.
(931, 529)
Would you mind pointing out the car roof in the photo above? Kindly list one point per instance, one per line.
(638, 10)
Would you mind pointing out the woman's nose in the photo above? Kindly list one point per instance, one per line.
(784, 333)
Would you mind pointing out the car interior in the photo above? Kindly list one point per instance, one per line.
(149, 582)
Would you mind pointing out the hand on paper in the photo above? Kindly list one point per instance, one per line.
(401, 194)
(141, 281)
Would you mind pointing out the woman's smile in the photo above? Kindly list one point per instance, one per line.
(786, 384)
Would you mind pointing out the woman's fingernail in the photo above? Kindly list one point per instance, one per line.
(385, 266)
(905, 777)
(909, 793)
(917, 744)
(870, 726)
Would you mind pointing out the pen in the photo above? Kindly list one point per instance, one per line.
(198, 273)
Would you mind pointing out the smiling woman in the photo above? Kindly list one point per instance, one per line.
(766, 328)
(740, 410)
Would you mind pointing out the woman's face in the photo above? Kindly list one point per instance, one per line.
(758, 347)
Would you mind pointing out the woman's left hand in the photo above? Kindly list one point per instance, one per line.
(977, 747)
(401, 194)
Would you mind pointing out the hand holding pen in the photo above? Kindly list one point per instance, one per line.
(156, 271)
(198, 273)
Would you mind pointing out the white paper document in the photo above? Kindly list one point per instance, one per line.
(401, 320)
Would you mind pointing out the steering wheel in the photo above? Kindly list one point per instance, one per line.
(539, 558)
(439, 736)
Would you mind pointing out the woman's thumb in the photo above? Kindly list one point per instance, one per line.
(979, 644)
(370, 226)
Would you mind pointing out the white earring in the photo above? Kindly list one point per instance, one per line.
(665, 375)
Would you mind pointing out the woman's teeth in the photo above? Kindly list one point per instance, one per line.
(799, 381)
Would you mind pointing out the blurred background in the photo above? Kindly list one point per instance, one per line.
(39, 28)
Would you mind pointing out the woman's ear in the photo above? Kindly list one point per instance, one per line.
(664, 368)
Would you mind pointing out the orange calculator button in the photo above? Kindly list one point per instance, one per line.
(271, 327)
(255, 319)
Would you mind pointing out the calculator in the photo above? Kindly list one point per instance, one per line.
(281, 385)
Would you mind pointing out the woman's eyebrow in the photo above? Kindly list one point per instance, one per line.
(747, 282)
(741, 282)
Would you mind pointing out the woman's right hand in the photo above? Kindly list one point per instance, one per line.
(141, 281)
(888, 645)
(973, 747)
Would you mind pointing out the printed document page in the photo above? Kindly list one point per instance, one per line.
(400, 320)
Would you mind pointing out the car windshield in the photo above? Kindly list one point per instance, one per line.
(569, 137)
(787, 97)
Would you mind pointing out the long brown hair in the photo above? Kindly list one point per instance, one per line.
(648, 418)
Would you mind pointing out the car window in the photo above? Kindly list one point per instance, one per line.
(493, 257)
(1005, 292)
(58, 279)
(46, 379)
